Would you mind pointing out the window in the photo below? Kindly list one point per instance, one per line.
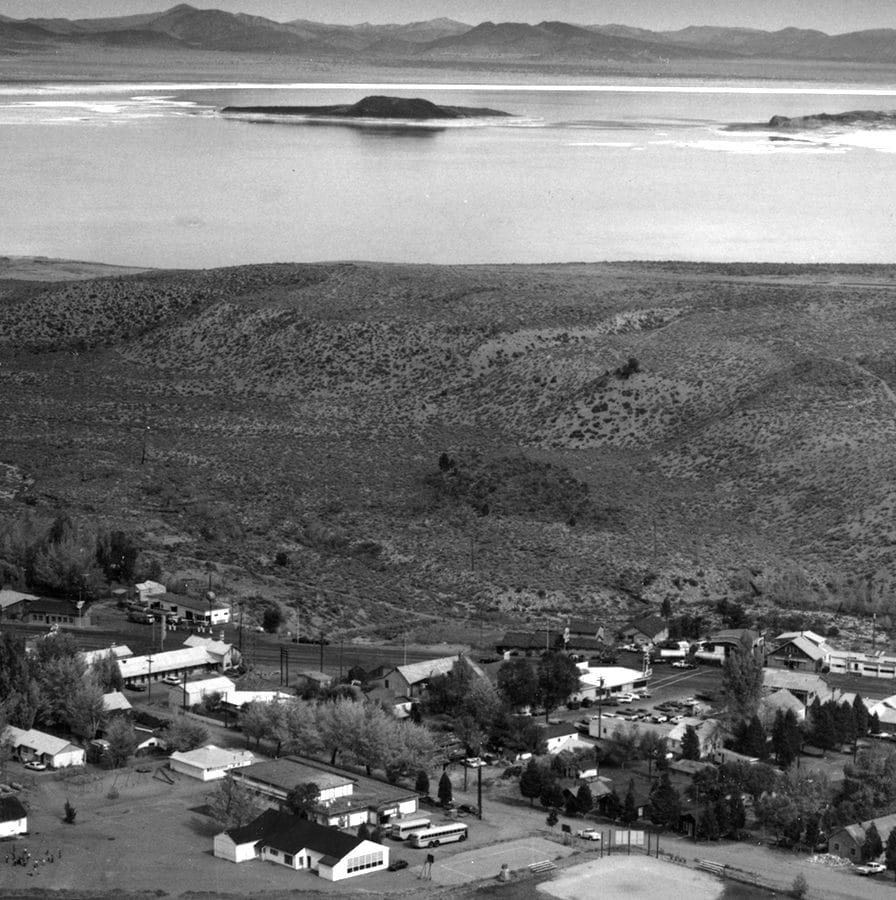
(287, 858)
(273, 852)
(365, 861)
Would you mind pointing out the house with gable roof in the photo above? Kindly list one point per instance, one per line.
(648, 629)
(804, 651)
(31, 744)
(847, 841)
(302, 845)
(412, 679)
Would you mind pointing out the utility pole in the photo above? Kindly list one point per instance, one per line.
(149, 676)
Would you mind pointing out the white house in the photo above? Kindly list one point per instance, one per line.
(210, 762)
(411, 680)
(709, 735)
(191, 693)
(13, 817)
(238, 699)
(118, 651)
(154, 666)
(116, 702)
(558, 737)
(298, 844)
(225, 656)
(56, 752)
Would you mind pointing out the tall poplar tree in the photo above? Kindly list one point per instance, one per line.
(742, 681)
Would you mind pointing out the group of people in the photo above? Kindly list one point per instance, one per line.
(24, 858)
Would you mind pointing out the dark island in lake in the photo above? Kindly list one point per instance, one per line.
(865, 118)
(375, 108)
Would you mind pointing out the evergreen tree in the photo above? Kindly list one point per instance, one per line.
(364, 831)
(873, 845)
(708, 826)
(737, 814)
(874, 724)
(551, 793)
(446, 791)
(793, 732)
(571, 805)
(824, 729)
(813, 829)
(665, 803)
(584, 800)
(629, 809)
(612, 805)
(552, 818)
(755, 742)
(860, 716)
(780, 742)
(690, 743)
(531, 781)
(723, 817)
(421, 785)
(891, 851)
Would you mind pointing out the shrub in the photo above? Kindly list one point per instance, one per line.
(70, 813)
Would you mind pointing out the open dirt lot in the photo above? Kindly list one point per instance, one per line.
(486, 862)
(633, 877)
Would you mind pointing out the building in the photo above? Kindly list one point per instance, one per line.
(119, 651)
(115, 703)
(302, 845)
(193, 610)
(236, 700)
(412, 679)
(310, 678)
(609, 681)
(13, 817)
(720, 645)
(804, 651)
(210, 762)
(646, 630)
(49, 611)
(225, 656)
(805, 686)
(347, 800)
(166, 664)
(558, 737)
(12, 602)
(780, 701)
(885, 710)
(866, 665)
(32, 745)
(147, 591)
(193, 692)
(847, 842)
(709, 734)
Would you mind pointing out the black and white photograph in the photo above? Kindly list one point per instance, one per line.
(446, 449)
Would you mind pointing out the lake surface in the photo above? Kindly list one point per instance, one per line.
(154, 175)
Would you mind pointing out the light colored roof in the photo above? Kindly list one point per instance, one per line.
(91, 657)
(9, 597)
(115, 700)
(613, 676)
(219, 648)
(212, 757)
(790, 635)
(805, 646)
(414, 673)
(885, 710)
(702, 727)
(241, 698)
(167, 661)
(217, 683)
(37, 741)
(801, 681)
(288, 771)
(151, 587)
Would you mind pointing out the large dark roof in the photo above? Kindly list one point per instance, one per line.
(649, 625)
(11, 809)
(289, 834)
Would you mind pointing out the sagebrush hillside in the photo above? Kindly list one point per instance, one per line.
(611, 433)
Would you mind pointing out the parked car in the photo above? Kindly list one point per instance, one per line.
(660, 719)
(626, 698)
(683, 664)
(397, 865)
(469, 808)
(472, 762)
(35, 766)
(136, 687)
(871, 868)
(589, 834)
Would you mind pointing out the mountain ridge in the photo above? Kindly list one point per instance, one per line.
(443, 38)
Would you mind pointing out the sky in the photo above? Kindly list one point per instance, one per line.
(831, 16)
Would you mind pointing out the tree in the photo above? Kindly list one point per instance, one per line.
(518, 683)
(122, 742)
(800, 887)
(232, 805)
(116, 555)
(612, 805)
(302, 799)
(742, 675)
(87, 711)
(629, 809)
(628, 742)
(873, 846)
(860, 716)
(552, 818)
(584, 799)
(446, 790)
(271, 618)
(183, 734)
(421, 785)
(108, 673)
(531, 781)
(70, 813)
(364, 831)
(665, 803)
(551, 793)
(558, 677)
(708, 825)
(690, 743)
(723, 817)
(890, 856)
(737, 814)
(752, 738)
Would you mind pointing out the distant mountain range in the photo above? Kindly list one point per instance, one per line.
(187, 28)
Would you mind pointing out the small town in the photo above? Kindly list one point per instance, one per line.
(760, 759)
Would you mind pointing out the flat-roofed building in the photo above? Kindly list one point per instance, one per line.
(210, 762)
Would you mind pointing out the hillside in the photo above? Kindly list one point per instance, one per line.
(487, 444)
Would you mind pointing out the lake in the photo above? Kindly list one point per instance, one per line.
(152, 174)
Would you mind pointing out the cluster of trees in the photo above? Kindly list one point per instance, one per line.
(64, 558)
(540, 782)
(833, 724)
(53, 688)
(548, 684)
(868, 788)
(346, 728)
